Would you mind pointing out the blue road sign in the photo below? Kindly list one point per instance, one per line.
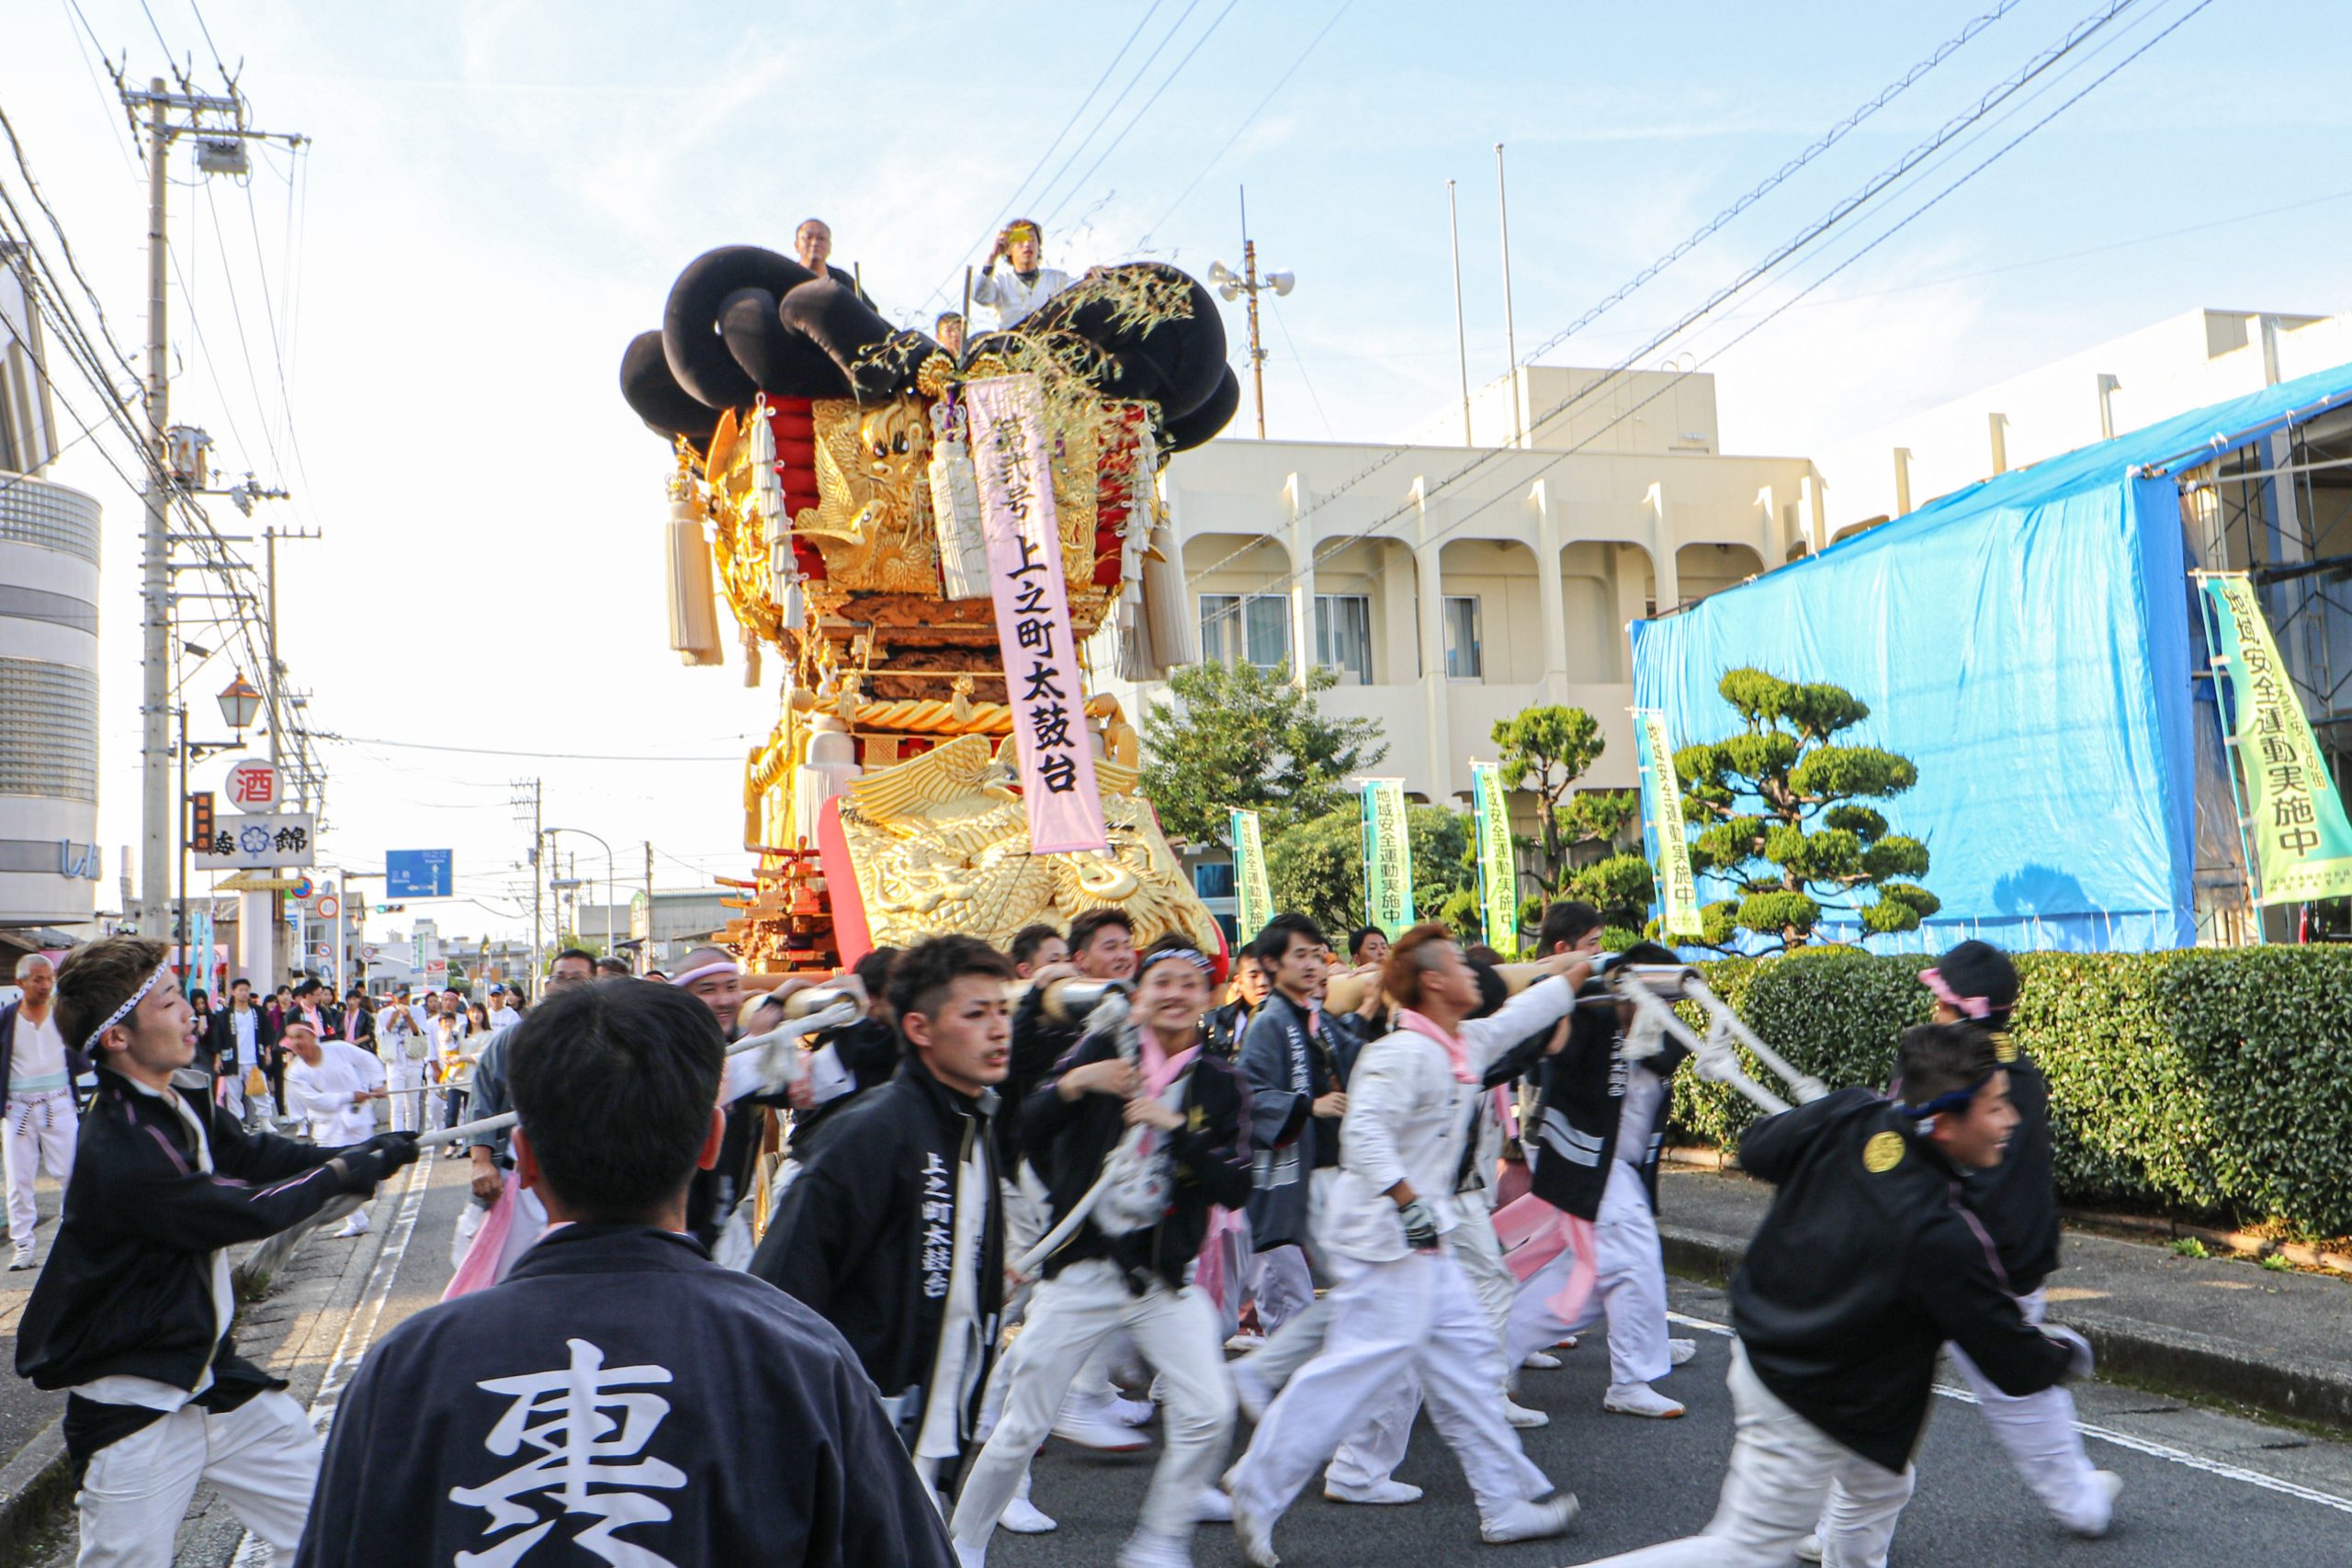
(417, 873)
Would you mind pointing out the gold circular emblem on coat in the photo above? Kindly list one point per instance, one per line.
(2004, 1050)
(1882, 1152)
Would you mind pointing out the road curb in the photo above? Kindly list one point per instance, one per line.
(32, 1487)
(2179, 1359)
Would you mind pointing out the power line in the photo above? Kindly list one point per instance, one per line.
(1252, 119)
(1108, 66)
(1145, 108)
(507, 751)
(2073, 39)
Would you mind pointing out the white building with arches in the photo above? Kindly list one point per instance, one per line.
(1454, 585)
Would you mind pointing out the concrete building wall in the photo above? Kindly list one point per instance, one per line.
(2182, 363)
(1616, 503)
(49, 703)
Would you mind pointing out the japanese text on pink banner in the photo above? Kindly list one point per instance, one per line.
(1042, 680)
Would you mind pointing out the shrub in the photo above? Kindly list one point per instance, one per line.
(2210, 1082)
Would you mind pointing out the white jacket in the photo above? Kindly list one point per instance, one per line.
(1001, 289)
(1407, 1118)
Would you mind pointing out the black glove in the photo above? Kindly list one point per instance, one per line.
(365, 1164)
(1421, 1225)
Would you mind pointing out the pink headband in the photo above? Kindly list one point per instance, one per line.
(723, 967)
(1969, 1006)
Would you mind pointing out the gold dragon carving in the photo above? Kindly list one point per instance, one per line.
(941, 843)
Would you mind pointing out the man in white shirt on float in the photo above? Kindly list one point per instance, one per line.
(330, 1085)
(1023, 285)
(37, 1079)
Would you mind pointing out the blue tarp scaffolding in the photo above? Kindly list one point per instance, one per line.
(2027, 642)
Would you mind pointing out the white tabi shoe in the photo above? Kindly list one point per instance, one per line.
(1213, 1507)
(1132, 1411)
(1683, 1350)
(1540, 1362)
(1530, 1521)
(1245, 1341)
(1809, 1549)
(1566, 1342)
(2113, 1484)
(1521, 1416)
(1097, 1424)
(24, 1258)
(1256, 1536)
(1024, 1517)
(1639, 1399)
(1389, 1494)
(355, 1226)
(1144, 1550)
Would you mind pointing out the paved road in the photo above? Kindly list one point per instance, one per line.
(2203, 1488)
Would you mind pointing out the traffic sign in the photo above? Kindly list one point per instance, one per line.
(325, 949)
(367, 952)
(417, 873)
(254, 785)
(326, 905)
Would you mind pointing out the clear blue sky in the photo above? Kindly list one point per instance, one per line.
(500, 193)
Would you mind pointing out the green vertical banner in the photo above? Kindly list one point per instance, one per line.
(1387, 857)
(1253, 894)
(1662, 793)
(2295, 822)
(1497, 866)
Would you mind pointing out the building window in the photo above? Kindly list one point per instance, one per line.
(1344, 637)
(1463, 659)
(1245, 628)
(1214, 879)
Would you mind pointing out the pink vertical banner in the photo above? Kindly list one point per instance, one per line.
(1011, 450)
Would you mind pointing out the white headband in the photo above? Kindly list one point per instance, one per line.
(124, 1010)
(724, 966)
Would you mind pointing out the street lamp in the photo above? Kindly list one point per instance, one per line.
(585, 833)
(240, 703)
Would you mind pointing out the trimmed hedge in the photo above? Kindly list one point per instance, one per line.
(2209, 1082)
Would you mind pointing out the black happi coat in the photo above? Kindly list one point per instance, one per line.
(736, 1427)
(1067, 1140)
(1575, 1135)
(1287, 1070)
(2017, 1198)
(849, 1237)
(127, 1286)
(868, 1051)
(1868, 1262)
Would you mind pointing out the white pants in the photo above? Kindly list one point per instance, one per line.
(39, 1131)
(262, 1457)
(1389, 1322)
(2038, 1431)
(1371, 1454)
(399, 1072)
(1630, 1289)
(528, 1223)
(1069, 1317)
(1782, 1470)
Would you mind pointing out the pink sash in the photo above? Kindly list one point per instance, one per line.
(1534, 1234)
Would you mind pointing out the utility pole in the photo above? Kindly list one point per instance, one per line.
(1232, 285)
(1460, 342)
(223, 152)
(527, 793)
(1510, 329)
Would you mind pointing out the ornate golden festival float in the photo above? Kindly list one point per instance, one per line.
(826, 483)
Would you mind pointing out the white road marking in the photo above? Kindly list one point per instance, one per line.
(2122, 1440)
(358, 1333)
